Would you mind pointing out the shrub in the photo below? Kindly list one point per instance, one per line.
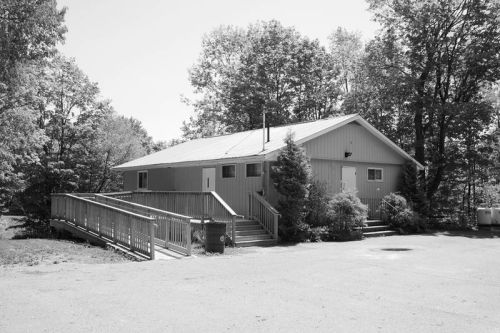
(317, 204)
(396, 213)
(291, 176)
(319, 234)
(346, 215)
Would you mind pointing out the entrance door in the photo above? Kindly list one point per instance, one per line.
(208, 179)
(348, 178)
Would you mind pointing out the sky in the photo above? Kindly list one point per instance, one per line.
(139, 52)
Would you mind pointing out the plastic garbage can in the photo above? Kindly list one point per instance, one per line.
(215, 237)
(495, 216)
(484, 216)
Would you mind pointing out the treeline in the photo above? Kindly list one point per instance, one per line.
(428, 81)
(57, 134)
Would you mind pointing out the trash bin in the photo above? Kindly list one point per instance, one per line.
(495, 216)
(484, 216)
(215, 237)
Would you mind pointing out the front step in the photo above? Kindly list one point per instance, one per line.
(380, 233)
(377, 228)
(251, 233)
(374, 222)
(266, 242)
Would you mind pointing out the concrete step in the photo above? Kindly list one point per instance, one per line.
(380, 233)
(373, 228)
(253, 237)
(250, 232)
(374, 222)
(264, 242)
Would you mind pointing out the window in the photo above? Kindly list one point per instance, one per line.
(142, 181)
(229, 171)
(375, 174)
(254, 170)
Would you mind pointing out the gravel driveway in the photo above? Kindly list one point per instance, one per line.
(428, 283)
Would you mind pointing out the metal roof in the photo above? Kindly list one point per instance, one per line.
(245, 145)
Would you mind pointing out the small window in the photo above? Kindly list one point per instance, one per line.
(142, 180)
(375, 175)
(229, 171)
(254, 170)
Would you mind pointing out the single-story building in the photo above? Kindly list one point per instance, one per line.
(346, 152)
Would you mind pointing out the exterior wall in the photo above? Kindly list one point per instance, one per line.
(129, 180)
(363, 145)
(331, 172)
(233, 190)
(327, 158)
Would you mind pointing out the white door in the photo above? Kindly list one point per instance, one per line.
(208, 180)
(348, 178)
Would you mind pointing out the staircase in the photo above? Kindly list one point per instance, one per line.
(251, 233)
(377, 228)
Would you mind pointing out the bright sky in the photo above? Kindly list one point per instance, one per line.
(140, 51)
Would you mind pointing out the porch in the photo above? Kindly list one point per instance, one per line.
(138, 220)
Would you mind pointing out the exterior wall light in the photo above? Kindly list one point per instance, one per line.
(347, 154)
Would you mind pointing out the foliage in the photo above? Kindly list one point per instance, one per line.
(422, 83)
(319, 234)
(397, 213)
(265, 68)
(30, 31)
(291, 176)
(317, 204)
(347, 215)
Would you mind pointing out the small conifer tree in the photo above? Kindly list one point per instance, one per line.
(291, 176)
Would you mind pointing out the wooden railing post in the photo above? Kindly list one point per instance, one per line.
(233, 230)
(188, 238)
(152, 238)
(276, 217)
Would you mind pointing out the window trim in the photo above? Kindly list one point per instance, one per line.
(381, 180)
(147, 180)
(246, 170)
(222, 171)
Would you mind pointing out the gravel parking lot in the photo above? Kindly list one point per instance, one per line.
(426, 283)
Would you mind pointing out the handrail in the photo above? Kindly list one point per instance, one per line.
(145, 207)
(225, 205)
(131, 229)
(190, 203)
(173, 230)
(264, 213)
(106, 206)
(266, 204)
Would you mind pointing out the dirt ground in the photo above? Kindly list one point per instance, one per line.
(16, 248)
(447, 282)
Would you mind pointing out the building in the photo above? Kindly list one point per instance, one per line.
(346, 152)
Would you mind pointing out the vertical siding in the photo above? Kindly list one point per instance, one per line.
(235, 190)
(188, 179)
(331, 172)
(129, 180)
(365, 147)
(161, 179)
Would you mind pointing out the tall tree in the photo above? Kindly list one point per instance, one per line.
(445, 52)
(29, 32)
(266, 68)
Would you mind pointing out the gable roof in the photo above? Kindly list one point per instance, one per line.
(245, 146)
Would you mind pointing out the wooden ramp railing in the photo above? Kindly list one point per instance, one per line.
(199, 205)
(262, 211)
(129, 229)
(172, 231)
